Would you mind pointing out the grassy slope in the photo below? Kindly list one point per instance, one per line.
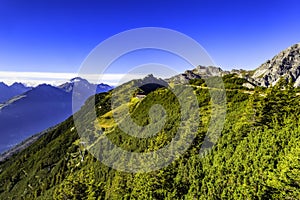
(257, 156)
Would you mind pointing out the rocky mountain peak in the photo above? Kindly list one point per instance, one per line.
(198, 72)
(3, 84)
(207, 71)
(286, 64)
(78, 79)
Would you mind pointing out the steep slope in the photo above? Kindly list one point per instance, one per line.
(284, 65)
(40, 108)
(257, 156)
(8, 92)
(32, 112)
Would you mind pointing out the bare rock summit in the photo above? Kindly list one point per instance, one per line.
(286, 65)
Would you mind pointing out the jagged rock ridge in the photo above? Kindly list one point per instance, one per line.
(286, 64)
(198, 72)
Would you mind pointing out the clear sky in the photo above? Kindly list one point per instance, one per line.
(57, 35)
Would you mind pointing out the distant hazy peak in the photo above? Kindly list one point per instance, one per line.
(3, 84)
(78, 79)
(16, 84)
(8, 92)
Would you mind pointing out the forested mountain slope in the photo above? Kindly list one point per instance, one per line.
(256, 157)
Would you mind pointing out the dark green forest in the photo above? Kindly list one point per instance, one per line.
(256, 157)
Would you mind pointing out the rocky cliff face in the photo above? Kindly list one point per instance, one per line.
(286, 64)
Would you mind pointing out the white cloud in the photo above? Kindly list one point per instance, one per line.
(36, 78)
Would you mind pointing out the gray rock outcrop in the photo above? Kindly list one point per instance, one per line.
(286, 64)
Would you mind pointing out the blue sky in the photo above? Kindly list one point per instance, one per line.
(56, 36)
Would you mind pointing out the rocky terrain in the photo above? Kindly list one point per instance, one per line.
(286, 65)
(198, 72)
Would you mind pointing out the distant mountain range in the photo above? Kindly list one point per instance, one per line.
(8, 92)
(84, 85)
(81, 89)
(38, 108)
